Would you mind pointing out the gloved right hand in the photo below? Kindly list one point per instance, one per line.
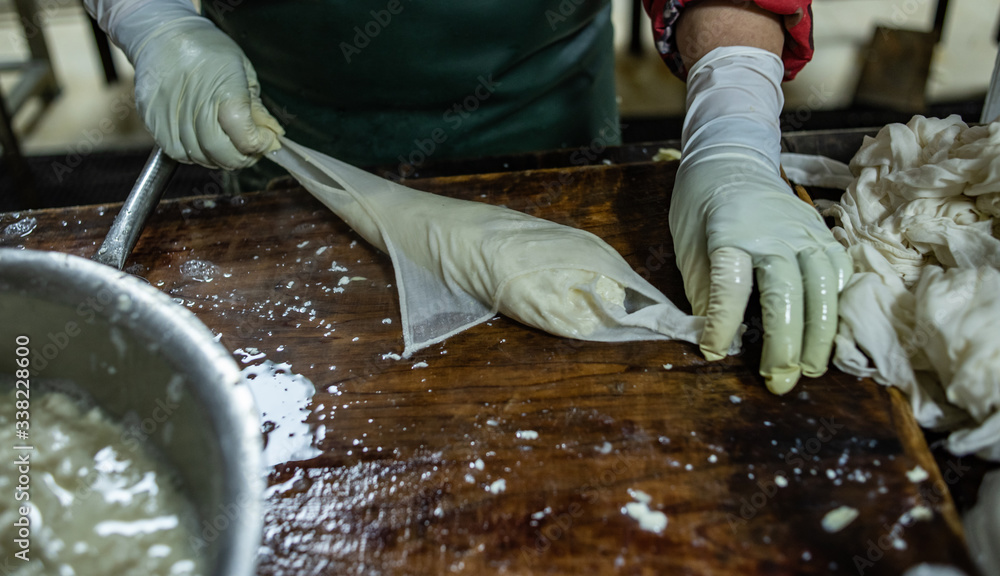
(195, 89)
(731, 215)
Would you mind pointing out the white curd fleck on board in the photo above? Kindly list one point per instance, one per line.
(918, 474)
(345, 280)
(837, 519)
(921, 512)
(649, 520)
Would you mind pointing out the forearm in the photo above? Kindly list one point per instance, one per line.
(711, 24)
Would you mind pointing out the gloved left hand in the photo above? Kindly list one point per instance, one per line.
(195, 89)
(732, 214)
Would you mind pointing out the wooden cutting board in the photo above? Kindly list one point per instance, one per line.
(508, 451)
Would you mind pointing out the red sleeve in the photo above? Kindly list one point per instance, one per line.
(798, 37)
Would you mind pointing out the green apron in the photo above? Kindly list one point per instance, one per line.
(404, 82)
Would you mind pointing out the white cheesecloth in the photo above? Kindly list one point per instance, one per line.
(922, 311)
(459, 262)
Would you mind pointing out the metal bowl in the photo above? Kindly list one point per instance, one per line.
(147, 361)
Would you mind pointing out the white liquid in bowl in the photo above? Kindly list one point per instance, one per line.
(98, 501)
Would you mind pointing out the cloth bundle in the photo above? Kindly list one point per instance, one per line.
(458, 262)
(923, 308)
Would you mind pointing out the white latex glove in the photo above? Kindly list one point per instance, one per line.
(731, 214)
(195, 89)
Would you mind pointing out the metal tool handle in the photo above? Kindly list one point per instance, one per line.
(145, 195)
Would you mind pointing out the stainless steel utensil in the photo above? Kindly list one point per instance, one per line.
(141, 201)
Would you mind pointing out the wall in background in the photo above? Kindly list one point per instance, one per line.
(961, 69)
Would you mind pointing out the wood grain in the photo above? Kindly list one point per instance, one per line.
(744, 478)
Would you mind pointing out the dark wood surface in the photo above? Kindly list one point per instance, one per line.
(396, 490)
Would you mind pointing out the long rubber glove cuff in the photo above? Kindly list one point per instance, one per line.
(195, 89)
(731, 214)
